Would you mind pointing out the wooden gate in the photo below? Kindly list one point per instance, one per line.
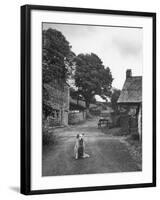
(133, 125)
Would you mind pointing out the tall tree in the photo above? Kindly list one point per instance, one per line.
(57, 56)
(91, 77)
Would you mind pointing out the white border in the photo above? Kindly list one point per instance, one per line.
(41, 183)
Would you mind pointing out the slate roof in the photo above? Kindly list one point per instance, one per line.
(132, 90)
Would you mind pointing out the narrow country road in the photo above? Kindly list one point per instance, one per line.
(107, 154)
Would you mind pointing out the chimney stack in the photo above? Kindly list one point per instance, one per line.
(128, 73)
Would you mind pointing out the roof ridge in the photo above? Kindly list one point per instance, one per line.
(132, 90)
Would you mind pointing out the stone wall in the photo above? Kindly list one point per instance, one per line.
(76, 117)
(131, 120)
(59, 101)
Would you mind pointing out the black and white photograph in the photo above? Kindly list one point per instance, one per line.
(92, 99)
(88, 99)
(79, 100)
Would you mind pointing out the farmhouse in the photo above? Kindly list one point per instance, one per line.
(130, 104)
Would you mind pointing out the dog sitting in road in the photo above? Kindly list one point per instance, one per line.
(80, 147)
(76, 147)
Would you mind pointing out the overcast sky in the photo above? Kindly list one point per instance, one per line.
(118, 47)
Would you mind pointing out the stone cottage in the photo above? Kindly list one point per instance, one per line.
(130, 104)
(59, 102)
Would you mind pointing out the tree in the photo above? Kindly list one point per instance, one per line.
(57, 60)
(74, 93)
(91, 77)
(114, 98)
(57, 56)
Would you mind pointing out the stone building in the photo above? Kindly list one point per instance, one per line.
(59, 102)
(130, 104)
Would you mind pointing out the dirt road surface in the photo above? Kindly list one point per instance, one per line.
(107, 154)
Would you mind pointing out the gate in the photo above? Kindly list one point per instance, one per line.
(133, 125)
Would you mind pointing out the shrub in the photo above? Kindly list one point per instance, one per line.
(47, 136)
(134, 137)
